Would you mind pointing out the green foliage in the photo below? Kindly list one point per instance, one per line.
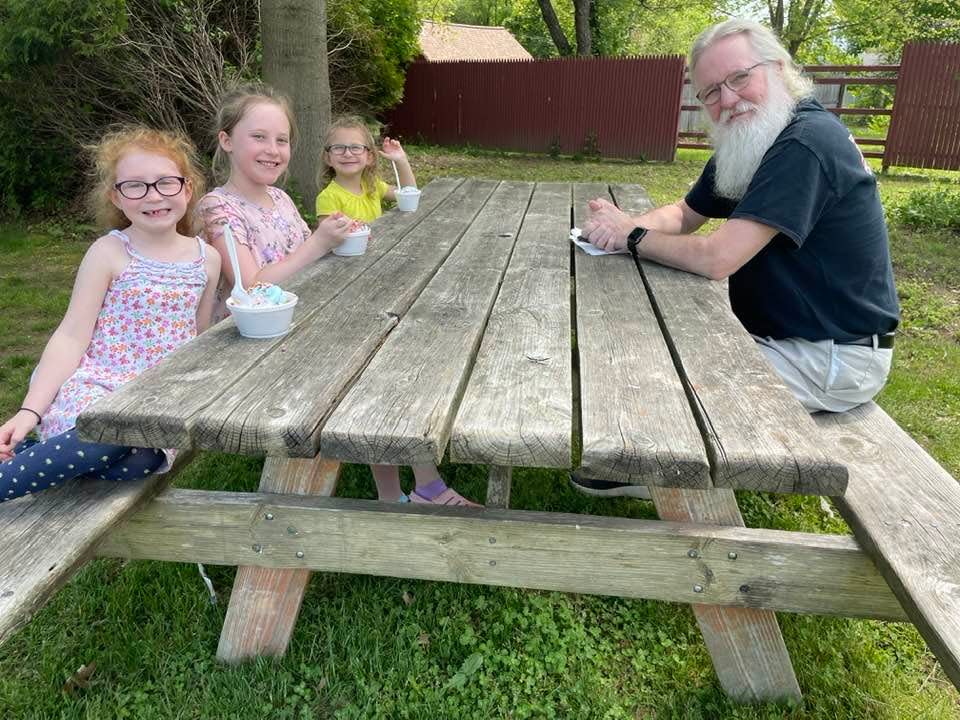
(37, 167)
(885, 27)
(377, 40)
(526, 23)
(929, 207)
(33, 31)
(672, 29)
(369, 648)
(34, 168)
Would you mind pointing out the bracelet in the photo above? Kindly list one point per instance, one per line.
(39, 419)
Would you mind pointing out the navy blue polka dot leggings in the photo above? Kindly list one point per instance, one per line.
(37, 465)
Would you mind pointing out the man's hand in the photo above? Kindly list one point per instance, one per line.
(608, 226)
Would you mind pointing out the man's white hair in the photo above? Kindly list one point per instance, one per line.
(766, 46)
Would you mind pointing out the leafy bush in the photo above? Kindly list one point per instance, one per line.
(932, 207)
(68, 70)
(370, 42)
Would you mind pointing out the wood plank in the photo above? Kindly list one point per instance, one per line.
(401, 409)
(517, 408)
(47, 537)
(904, 508)
(799, 572)
(636, 422)
(265, 602)
(498, 487)
(159, 408)
(758, 436)
(745, 644)
(279, 407)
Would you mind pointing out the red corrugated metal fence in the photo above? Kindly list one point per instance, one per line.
(616, 107)
(925, 125)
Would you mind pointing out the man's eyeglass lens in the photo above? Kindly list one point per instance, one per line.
(136, 189)
(342, 149)
(735, 81)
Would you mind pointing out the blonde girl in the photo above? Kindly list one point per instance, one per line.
(348, 166)
(348, 171)
(255, 131)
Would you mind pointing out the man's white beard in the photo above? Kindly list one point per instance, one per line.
(741, 145)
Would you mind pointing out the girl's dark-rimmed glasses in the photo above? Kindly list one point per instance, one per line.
(137, 189)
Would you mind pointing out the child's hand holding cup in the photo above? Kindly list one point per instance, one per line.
(355, 242)
(331, 231)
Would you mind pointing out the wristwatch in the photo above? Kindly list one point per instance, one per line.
(634, 238)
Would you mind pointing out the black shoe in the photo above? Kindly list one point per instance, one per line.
(608, 488)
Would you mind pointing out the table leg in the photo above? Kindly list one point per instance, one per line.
(265, 602)
(747, 648)
(498, 487)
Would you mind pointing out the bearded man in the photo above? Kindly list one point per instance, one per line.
(804, 243)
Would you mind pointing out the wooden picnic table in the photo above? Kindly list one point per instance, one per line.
(472, 328)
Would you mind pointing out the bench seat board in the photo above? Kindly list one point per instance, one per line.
(904, 509)
(47, 537)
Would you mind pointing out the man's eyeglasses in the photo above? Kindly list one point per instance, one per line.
(736, 81)
(137, 189)
(339, 149)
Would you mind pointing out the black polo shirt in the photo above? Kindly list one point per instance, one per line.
(827, 272)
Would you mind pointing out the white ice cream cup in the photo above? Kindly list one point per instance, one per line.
(263, 321)
(408, 198)
(354, 243)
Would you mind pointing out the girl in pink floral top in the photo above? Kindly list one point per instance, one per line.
(255, 132)
(139, 294)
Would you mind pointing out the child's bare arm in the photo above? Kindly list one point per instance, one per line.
(392, 150)
(209, 297)
(70, 340)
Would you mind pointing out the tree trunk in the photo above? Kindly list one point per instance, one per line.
(294, 36)
(581, 21)
(553, 25)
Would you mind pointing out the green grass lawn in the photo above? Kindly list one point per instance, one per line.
(370, 647)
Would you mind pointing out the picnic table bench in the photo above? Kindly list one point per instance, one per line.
(471, 328)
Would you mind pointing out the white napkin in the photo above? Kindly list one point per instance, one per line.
(590, 248)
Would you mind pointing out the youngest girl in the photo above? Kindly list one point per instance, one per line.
(348, 169)
(348, 165)
(140, 293)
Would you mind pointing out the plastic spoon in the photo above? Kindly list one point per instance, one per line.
(395, 173)
(239, 295)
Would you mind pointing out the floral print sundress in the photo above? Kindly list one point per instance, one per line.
(149, 310)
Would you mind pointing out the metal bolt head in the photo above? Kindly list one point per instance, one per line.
(493, 563)
(744, 588)
(732, 555)
(691, 553)
(299, 553)
(493, 541)
(269, 516)
(257, 548)
(291, 531)
(698, 588)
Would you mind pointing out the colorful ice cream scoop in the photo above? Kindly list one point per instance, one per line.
(266, 294)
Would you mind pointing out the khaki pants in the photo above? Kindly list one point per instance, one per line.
(824, 375)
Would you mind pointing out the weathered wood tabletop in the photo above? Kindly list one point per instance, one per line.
(473, 328)
(472, 325)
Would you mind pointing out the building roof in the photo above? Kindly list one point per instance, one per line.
(451, 41)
